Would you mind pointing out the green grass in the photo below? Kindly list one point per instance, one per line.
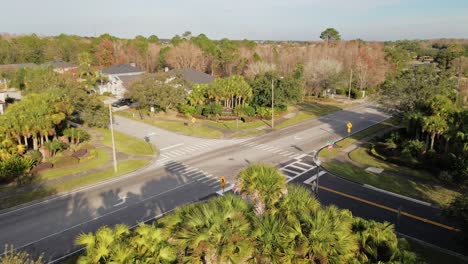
(231, 124)
(342, 144)
(127, 144)
(298, 118)
(177, 126)
(431, 254)
(123, 168)
(361, 155)
(432, 193)
(249, 133)
(101, 158)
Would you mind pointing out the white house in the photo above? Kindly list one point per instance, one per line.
(120, 78)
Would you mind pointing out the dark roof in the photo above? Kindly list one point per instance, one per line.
(192, 75)
(59, 64)
(10, 67)
(121, 69)
(128, 80)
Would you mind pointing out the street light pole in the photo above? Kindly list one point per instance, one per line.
(114, 156)
(272, 105)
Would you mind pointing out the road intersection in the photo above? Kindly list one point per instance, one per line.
(188, 170)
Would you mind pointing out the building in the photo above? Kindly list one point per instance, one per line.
(62, 66)
(120, 78)
(192, 76)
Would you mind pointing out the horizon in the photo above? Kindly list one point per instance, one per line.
(296, 20)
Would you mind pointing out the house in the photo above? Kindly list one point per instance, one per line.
(61, 66)
(6, 95)
(192, 76)
(120, 78)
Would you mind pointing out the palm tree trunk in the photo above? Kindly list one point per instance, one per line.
(35, 146)
(25, 141)
(432, 140)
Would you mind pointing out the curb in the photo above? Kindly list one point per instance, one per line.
(70, 192)
(397, 195)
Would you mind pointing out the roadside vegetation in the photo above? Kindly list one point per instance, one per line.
(268, 223)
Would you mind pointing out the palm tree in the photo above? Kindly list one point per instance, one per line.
(434, 125)
(217, 231)
(263, 184)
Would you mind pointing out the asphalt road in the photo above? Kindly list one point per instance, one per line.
(187, 170)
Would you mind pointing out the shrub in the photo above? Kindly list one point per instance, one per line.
(91, 155)
(187, 109)
(88, 147)
(413, 148)
(66, 161)
(199, 109)
(281, 109)
(212, 110)
(339, 91)
(263, 112)
(244, 110)
(14, 167)
(34, 155)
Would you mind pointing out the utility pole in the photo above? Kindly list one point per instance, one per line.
(272, 105)
(350, 83)
(114, 157)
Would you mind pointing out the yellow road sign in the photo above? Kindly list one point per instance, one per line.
(194, 120)
(222, 180)
(349, 130)
(349, 125)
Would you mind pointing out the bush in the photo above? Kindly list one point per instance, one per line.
(244, 110)
(199, 109)
(281, 109)
(66, 161)
(263, 112)
(212, 110)
(339, 91)
(14, 167)
(34, 155)
(92, 154)
(187, 109)
(413, 148)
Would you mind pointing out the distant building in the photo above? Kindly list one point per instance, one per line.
(120, 78)
(61, 66)
(192, 76)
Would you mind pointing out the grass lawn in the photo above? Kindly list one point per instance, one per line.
(196, 129)
(127, 144)
(432, 193)
(298, 118)
(101, 158)
(362, 156)
(231, 124)
(431, 254)
(250, 133)
(342, 144)
(123, 168)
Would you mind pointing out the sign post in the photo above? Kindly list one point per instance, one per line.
(222, 181)
(349, 125)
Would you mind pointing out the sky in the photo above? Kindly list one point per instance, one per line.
(239, 19)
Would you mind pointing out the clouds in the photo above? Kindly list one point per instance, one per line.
(254, 19)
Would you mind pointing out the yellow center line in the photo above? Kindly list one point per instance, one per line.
(390, 209)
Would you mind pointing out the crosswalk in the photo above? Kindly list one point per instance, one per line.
(296, 169)
(193, 174)
(271, 149)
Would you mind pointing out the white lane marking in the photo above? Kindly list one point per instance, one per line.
(396, 195)
(227, 189)
(178, 152)
(304, 164)
(270, 149)
(191, 170)
(311, 179)
(293, 172)
(170, 155)
(180, 169)
(101, 216)
(122, 202)
(173, 146)
(283, 152)
(164, 156)
(208, 180)
(190, 149)
(301, 156)
(297, 138)
(276, 151)
(296, 167)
